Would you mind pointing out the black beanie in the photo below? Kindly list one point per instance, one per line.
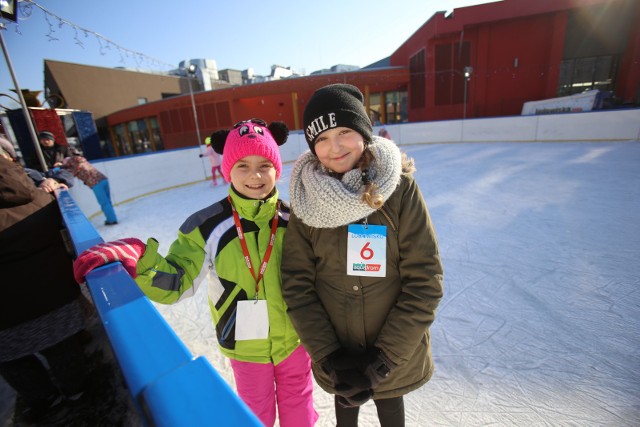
(46, 134)
(336, 105)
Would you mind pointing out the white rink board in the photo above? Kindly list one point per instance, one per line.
(134, 176)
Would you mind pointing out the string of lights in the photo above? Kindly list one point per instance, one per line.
(56, 23)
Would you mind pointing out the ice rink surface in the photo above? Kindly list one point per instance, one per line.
(540, 322)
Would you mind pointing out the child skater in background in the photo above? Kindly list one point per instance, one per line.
(270, 366)
(214, 158)
(80, 167)
(361, 270)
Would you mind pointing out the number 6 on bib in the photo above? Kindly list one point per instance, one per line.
(367, 250)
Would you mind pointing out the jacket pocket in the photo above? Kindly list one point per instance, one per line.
(226, 329)
(226, 326)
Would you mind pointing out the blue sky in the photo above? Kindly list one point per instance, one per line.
(250, 34)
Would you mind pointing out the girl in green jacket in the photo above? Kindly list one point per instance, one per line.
(361, 270)
(236, 244)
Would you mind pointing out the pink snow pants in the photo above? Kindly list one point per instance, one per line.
(289, 385)
(213, 174)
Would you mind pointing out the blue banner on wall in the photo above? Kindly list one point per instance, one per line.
(23, 138)
(87, 135)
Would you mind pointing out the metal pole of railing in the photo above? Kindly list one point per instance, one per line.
(25, 109)
(191, 70)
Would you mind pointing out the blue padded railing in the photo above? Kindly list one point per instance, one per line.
(169, 385)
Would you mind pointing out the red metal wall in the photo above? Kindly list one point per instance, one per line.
(282, 100)
(515, 61)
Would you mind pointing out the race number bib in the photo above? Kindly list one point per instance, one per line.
(367, 250)
(252, 320)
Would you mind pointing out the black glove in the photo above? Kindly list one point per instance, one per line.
(350, 383)
(200, 155)
(375, 365)
(357, 399)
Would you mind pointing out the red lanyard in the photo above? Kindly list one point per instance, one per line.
(245, 250)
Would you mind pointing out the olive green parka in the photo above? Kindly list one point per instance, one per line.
(332, 310)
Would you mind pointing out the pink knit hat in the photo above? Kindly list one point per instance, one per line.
(250, 138)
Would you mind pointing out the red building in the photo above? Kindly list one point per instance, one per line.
(479, 61)
(519, 51)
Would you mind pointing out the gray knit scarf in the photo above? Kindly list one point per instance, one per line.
(323, 201)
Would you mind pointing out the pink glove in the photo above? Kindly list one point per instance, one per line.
(127, 251)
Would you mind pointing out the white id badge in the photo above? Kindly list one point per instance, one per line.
(252, 320)
(367, 250)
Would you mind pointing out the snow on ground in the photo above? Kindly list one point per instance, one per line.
(540, 323)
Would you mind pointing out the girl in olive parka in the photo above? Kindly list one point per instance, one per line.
(367, 333)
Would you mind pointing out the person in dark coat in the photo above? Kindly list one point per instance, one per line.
(41, 314)
(54, 155)
(361, 270)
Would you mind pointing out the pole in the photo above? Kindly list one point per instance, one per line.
(195, 115)
(191, 72)
(25, 109)
(468, 70)
(464, 112)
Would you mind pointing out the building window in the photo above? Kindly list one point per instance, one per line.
(156, 138)
(142, 101)
(580, 74)
(375, 108)
(450, 62)
(122, 145)
(396, 107)
(140, 136)
(389, 107)
(417, 79)
(596, 38)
